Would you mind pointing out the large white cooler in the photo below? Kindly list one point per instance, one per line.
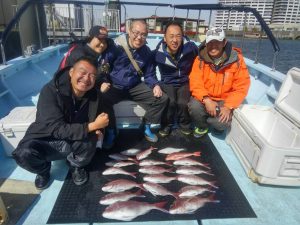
(14, 126)
(267, 139)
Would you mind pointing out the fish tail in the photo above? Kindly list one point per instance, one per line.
(175, 195)
(139, 193)
(197, 153)
(169, 163)
(142, 187)
(208, 173)
(133, 174)
(213, 184)
(136, 161)
(205, 165)
(170, 170)
(160, 206)
(212, 198)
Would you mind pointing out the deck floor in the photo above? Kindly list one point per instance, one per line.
(272, 205)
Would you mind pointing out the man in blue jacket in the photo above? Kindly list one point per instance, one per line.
(69, 116)
(127, 83)
(174, 56)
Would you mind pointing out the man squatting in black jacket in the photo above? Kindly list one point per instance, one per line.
(69, 116)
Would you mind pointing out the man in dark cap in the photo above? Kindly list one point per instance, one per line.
(99, 47)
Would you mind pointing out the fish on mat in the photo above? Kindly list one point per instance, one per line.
(191, 170)
(190, 205)
(115, 163)
(117, 170)
(152, 162)
(119, 197)
(181, 155)
(157, 189)
(195, 180)
(128, 210)
(170, 150)
(120, 157)
(131, 152)
(158, 178)
(190, 162)
(120, 185)
(192, 190)
(154, 170)
(143, 154)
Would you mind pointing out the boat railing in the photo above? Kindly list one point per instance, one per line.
(61, 19)
(64, 20)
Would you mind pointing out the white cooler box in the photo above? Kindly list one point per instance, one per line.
(14, 126)
(128, 114)
(267, 140)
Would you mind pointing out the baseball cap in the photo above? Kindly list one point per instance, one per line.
(215, 33)
(98, 32)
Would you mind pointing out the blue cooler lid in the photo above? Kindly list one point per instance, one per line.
(288, 99)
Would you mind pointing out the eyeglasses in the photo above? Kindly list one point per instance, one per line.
(138, 34)
(83, 72)
(215, 32)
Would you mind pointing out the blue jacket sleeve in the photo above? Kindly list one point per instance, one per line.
(150, 72)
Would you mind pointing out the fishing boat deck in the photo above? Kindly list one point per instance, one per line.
(272, 204)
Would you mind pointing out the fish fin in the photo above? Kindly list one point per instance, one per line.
(153, 148)
(208, 173)
(138, 192)
(169, 163)
(212, 198)
(171, 170)
(161, 205)
(197, 153)
(142, 187)
(205, 165)
(213, 184)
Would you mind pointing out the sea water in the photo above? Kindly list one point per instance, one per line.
(288, 56)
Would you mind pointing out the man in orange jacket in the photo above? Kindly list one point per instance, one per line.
(219, 83)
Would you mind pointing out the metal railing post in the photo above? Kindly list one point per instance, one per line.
(209, 21)
(198, 22)
(53, 26)
(70, 25)
(2, 53)
(155, 18)
(244, 28)
(39, 26)
(274, 60)
(81, 20)
(173, 13)
(185, 25)
(228, 20)
(258, 48)
(92, 16)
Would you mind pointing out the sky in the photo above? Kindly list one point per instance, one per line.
(147, 11)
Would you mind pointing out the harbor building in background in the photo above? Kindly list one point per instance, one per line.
(280, 15)
(233, 20)
(286, 12)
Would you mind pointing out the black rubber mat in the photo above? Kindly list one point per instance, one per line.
(78, 204)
